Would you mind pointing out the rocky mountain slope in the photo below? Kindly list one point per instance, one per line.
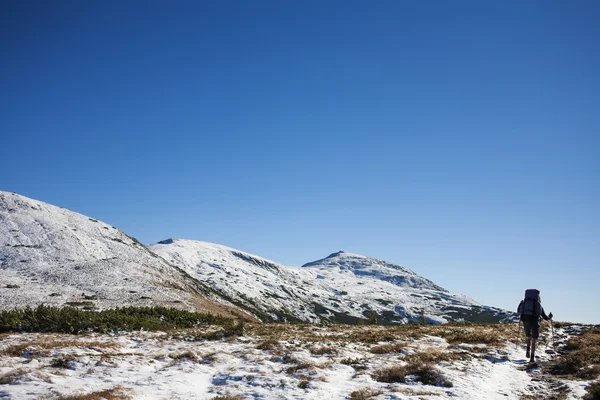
(343, 287)
(50, 255)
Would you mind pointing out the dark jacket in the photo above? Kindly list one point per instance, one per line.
(542, 313)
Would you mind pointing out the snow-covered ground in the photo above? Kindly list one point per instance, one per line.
(276, 362)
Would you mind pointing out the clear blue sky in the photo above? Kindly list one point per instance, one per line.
(460, 139)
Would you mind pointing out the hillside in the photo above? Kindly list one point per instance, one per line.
(343, 287)
(51, 255)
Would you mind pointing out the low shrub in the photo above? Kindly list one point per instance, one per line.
(62, 362)
(593, 391)
(304, 383)
(73, 320)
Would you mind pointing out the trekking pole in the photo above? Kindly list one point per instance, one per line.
(553, 342)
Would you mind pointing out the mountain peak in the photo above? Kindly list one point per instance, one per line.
(335, 259)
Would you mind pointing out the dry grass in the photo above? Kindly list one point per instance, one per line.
(188, 355)
(364, 394)
(295, 368)
(268, 344)
(414, 392)
(10, 376)
(490, 334)
(435, 356)
(352, 361)
(387, 348)
(44, 345)
(472, 335)
(322, 350)
(426, 373)
(583, 358)
(116, 393)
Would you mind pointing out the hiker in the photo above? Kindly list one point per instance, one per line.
(531, 310)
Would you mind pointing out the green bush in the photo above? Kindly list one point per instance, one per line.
(73, 320)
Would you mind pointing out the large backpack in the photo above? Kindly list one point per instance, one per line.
(531, 303)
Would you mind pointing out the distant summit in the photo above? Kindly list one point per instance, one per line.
(364, 266)
(342, 287)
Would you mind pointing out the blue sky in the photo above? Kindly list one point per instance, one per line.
(459, 139)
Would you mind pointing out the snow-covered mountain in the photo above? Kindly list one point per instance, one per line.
(342, 287)
(50, 255)
(54, 256)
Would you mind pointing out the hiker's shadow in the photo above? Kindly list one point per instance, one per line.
(520, 362)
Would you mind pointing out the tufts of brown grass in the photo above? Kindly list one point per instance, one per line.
(116, 393)
(364, 394)
(295, 368)
(322, 350)
(187, 355)
(372, 335)
(583, 358)
(473, 335)
(45, 344)
(352, 361)
(10, 376)
(387, 348)
(268, 344)
(426, 373)
(414, 392)
(435, 356)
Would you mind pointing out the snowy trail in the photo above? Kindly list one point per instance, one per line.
(155, 366)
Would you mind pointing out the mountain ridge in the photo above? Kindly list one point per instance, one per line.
(342, 287)
(61, 257)
(51, 255)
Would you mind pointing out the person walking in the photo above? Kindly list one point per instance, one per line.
(530, 310)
